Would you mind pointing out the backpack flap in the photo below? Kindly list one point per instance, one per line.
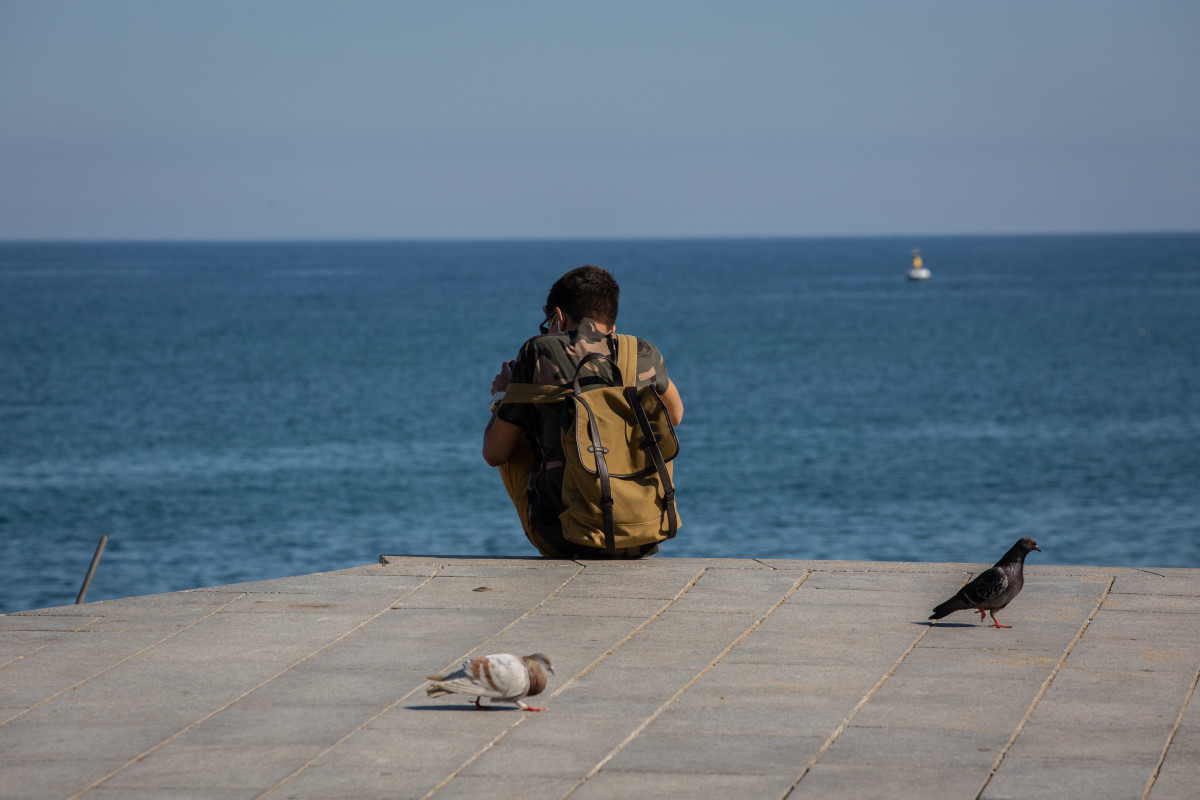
(621, 438)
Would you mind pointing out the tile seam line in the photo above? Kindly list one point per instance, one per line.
(687, 588)
(66, 635)
(110, 667)
(1171, 738)
(1112, 579)
(418, 688)
(249, 691)
(854, 712)
(595, 770)
(625, 639)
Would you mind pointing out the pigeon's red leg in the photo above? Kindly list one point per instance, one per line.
(481, 707)
(524, 707)
(982, 615)
(998, 625)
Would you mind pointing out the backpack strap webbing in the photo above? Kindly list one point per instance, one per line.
(535, 393)
(627, 358)
(651, 445)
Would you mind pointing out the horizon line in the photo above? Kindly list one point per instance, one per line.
(580, 238)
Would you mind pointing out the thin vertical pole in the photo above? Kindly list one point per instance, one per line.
(87, 580)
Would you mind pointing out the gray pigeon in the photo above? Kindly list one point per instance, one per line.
(502, 677)
(994, 588)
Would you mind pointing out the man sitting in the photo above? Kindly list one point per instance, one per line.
(524, 439)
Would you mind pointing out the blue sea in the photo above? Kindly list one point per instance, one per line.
(240, 411)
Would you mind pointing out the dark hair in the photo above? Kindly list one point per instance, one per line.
(586, 291)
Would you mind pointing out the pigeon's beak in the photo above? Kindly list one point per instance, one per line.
(550, 669)
(1035, 547)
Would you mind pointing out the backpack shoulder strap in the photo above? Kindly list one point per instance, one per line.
(650, 441)
(535, 393)
(627, 358)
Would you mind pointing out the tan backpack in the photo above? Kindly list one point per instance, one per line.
(617, 486)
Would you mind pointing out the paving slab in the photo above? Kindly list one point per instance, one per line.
(912, 781)
(750, 678)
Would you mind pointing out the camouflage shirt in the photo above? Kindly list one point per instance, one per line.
(552, 359)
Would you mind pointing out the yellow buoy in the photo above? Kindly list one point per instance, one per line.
(918, 271)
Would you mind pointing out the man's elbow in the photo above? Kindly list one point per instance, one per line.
(492, 451)
(499, 441)
(492, 458)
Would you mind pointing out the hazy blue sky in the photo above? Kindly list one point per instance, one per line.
(208, 119)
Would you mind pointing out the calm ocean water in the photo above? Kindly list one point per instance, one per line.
(230, 412)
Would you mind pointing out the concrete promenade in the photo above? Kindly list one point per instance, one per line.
(695, 678)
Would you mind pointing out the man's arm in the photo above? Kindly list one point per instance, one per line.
(673, 402)
(500, 439)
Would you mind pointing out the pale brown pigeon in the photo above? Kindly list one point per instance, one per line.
(993, 588)
(502, 677)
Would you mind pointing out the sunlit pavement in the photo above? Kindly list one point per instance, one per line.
(697, 678)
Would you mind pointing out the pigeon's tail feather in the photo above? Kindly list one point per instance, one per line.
(956, 603)
(435, 691)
